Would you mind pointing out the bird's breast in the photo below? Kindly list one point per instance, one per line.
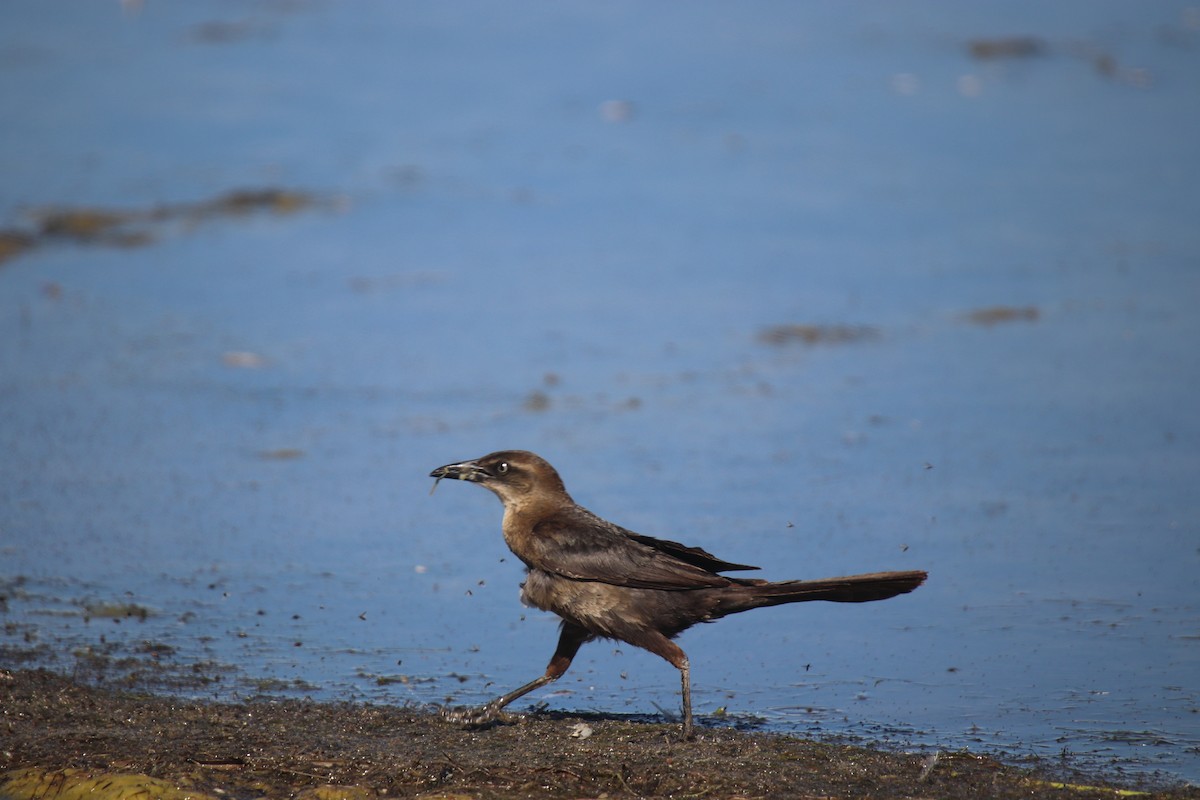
(518, 530)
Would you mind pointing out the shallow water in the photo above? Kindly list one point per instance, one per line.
(578, 230)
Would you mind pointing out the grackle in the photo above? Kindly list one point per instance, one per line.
(608, 582)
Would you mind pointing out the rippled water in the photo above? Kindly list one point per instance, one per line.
(824, 289)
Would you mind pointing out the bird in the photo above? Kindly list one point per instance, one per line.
(607, 582)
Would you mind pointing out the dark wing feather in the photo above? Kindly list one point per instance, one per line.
(579, 545)
(692, 555)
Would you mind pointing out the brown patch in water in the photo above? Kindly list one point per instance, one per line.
(282, 454)
(1006, 47)
(116, 611)
(221, 32)
(536, 401)
(13, 243)
(996, 315)
(82, 224)
(276, 201)
(817, 334)
(137, 227)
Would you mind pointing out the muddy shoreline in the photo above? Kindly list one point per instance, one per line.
(63, 739)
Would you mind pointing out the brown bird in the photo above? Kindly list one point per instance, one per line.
(608, 582)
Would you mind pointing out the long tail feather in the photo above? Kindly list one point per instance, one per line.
(847, 589)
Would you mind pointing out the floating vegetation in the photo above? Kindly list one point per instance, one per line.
(154, 649)
(1022, 47)
(268, 685)
(281, 454)
(997, 315)
(218, 32)
(817, 334)
(1006, 47)
(116, 611)
(89, 225)
(276, 201)
(387, 680)
(536, 401)
(13, 243)
(138, 227)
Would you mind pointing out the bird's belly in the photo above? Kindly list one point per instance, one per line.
(568, 598)
(617, 612)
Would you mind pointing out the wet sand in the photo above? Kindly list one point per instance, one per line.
(62, 739)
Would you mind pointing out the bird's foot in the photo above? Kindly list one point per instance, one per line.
(477, 715)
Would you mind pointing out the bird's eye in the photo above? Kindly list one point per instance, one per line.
(503, 468)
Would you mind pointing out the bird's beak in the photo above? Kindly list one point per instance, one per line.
(462, 471)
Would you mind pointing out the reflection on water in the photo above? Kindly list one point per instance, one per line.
(826, 291)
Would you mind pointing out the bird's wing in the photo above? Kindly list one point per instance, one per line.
(586, 548)
(692, 555)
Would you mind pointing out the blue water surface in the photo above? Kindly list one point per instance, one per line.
(819, 287)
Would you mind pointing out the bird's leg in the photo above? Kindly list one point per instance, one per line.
(686, 678)
(660, 645)
(570, 640)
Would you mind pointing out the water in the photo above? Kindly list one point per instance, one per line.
(568, 229)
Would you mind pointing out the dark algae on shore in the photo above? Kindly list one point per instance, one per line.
(60, 740)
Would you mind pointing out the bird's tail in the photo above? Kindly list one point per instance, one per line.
(848, 589)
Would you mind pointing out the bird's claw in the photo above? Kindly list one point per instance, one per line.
(477, 715)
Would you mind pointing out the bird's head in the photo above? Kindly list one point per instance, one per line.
(512, 475)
